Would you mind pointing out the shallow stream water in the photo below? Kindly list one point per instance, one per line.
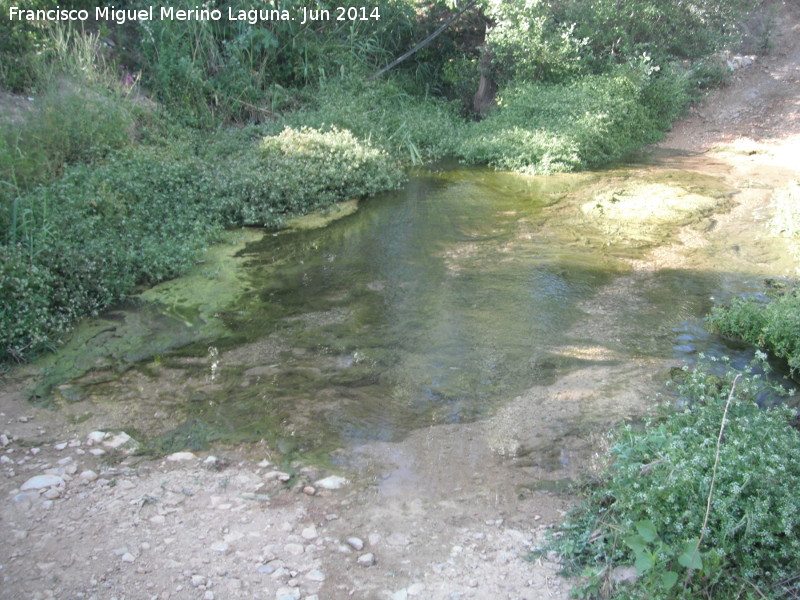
(432, 305)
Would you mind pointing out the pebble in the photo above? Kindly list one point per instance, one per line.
(181, 456)
(60, 446)
(309, 491)
(334, 482)
(355, 543)
(128, 557)
(52, 493)
(97, 452)
(294, 549)
(209, 595)
(96, 437)
(366, 560)
(415, 589)
(309, 533)
(287, 593)
(42, 481)
(4, 460)
(315, 575)
(88, 475)
(117, 441)
(4, 441)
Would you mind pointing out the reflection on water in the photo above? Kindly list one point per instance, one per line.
(430, 305)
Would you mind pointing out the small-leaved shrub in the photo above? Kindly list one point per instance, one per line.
(649, 509)
(542, 128)
(300, 170)
(773, 325)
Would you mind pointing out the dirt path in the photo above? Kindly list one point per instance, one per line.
(447, 513)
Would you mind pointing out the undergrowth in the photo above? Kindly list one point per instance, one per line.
(700, 503)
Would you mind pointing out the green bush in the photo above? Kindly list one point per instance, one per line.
(412, 129)
(542, 128)
(773, 325)
(649, 508)
(93, 236)
(300, 170)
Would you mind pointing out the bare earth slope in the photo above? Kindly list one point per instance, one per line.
(444, 514)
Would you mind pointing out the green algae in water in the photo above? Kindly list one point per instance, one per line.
(431, 305)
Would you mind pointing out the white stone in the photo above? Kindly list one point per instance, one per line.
(96, 437)
(400, 595)
(355, 543)
(287, 593)
(415, 589)
(181, 456)
(309, 533)
(334, 482)
(97, 452)
(315, 575)
(366, 560)
(294, 549)
(4, 441)
(88, 475)
(60, 446)
(128, 557)
(117, 441)
(42, 481)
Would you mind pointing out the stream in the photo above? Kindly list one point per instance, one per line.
(433, 305)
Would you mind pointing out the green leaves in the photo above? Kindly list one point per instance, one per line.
(651, 502)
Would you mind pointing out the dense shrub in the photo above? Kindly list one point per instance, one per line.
(650, 507)
(410, 128)
(93, 236)
(773, 325)
(541, 128)
(300, 170)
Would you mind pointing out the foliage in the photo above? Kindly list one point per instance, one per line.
(650, 506)
(616, 31)
(411, 129)
(528, 43)
(541, 128)
(773, 325)
(300, 170)
(92, 237)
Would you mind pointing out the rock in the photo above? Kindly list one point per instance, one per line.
(366, 560)
(624, 575)
(309, 491)
(42, 481)
(334, 482)
(181, 456)
(60, 446)
(88, 475)
(198, 580)
(294, 549)
(400, 595)
(309, 533)
(415, 589)
(97, 452)
(279, 475)
(287, 593)
(53, 493)
(315, 575)
(96, 437)
(4, 441)
(220, 547)
(355, 543)
(128, 557)
(209, 595)
(119, 441)
(4, 460)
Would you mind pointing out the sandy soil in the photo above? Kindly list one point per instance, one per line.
(450, 512)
